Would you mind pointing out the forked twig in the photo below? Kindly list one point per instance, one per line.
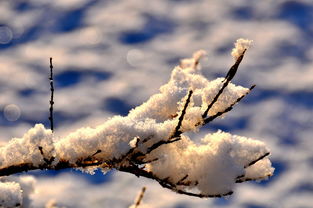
(242, 178)
(229, 76)
(176, 134)
(229, 108)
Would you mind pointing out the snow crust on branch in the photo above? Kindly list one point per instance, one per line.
(149, 142)
(240, 46)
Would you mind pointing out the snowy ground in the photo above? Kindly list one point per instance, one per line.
(110, 56)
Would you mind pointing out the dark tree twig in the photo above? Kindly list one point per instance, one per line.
(229, 108)
(52, 95)
(258, 159)
(177, 131)
(229, 76)
(181, 181)
(139, 198)
(242, 179)
(176, 134)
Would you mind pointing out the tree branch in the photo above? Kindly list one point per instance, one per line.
(132, 153)
(176, 134)
(229, 76)
(177, 131)
(229, 108)
(139, 198)
(52, 95)
(166, 183)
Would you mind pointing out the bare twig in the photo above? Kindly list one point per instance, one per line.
(229, 108)
(52, 94)
(229, 76)
(158, 144)
(89, 158)
(242, 179)
(256, 160)
(181, 181)
(48, 161)
(139, 198)
(177, 131)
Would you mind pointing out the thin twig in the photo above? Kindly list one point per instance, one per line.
(139, 198)
(181, 181)
(158, 144)
(258, 159)
(52, 95)
(177, 131)
(229, 108)
(47, 161)
(89, 158)
(242, 179)
(229, 76)
(176, 134)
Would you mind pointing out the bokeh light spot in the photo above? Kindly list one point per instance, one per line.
(6, 35)
(12, 112)
(135, 57)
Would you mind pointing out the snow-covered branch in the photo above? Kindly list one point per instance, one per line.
(150, 141)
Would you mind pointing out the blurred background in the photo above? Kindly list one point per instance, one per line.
(110, 56)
